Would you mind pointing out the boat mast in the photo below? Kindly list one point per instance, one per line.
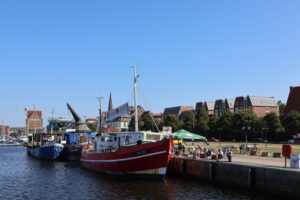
(100, 115)
(135, 99)
(51, 131)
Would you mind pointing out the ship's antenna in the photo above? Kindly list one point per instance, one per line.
(135, 99)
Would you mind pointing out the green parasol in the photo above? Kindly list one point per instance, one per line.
(186, 135)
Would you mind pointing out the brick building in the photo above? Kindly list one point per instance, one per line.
(157, 116)
(179, 111)
(140, 108)
(4, 130)
(260, 105)
(209, 107)
(293, 102)
(221, 106)
(34, 120)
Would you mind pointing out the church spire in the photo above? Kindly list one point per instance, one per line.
(110, 105)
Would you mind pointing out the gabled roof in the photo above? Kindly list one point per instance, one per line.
(125, 115)
(263, 101)
(293, 102)
(172, 110)
(210, 105)
(177, 110)
(157, 114)
(231, 103)
(184, 114)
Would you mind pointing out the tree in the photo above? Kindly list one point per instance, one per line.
(131, 125)
(171, 120)
(148, 123)
(260, 127)
(159, 124)
(244, 119)
(224, 123)
(92, 126)
(281, 108)
(212, 123)
(292, 121)
(273, 122)
(202, 119)
(189, 122)
(15, 134)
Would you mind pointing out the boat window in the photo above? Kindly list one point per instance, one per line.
(102, 139)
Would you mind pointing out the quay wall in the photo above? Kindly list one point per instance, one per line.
(278, 180)
(275, 181)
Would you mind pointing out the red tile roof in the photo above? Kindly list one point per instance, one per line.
(109, 129)
(157, 114)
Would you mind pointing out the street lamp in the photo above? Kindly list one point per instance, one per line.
(246, 129)
(219, 133)
(265, 130)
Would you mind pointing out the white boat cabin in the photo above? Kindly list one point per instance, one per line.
(112, 141)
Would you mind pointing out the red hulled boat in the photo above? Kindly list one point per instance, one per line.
(143, 154)
(136, 157)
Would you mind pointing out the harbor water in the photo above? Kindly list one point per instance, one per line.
(23, 177)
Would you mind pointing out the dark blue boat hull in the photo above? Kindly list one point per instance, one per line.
(68, 155)
(45, 152)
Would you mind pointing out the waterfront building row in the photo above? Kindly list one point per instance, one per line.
(260, 105)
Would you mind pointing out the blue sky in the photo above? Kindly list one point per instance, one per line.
(59, 51)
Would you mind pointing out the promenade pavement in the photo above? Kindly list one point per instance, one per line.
(261, 161)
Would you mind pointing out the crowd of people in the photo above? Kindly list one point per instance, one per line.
(203, 153)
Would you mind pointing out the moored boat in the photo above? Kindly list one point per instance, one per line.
(46, 151)
(127, 153)
(75, 143)
(44, 146)
(130, 153)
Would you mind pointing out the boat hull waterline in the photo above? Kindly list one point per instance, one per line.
(148, 160)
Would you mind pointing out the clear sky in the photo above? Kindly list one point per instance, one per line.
(58, 51)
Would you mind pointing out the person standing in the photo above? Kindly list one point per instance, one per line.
(220, 154)
(198, 151)
(229, 155)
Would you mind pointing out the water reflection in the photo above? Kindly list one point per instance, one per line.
(22, 177)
